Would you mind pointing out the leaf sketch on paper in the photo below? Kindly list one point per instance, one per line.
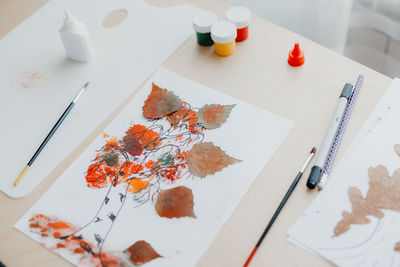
(383, 193)
(140, 164)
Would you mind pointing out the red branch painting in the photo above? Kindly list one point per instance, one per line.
(145, 162)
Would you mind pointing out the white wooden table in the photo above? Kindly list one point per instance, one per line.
(258, 74)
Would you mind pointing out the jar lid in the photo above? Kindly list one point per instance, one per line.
(203, 21)
(223, 32)
(239, 15)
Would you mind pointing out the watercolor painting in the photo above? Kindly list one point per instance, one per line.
(155, 166)
(44, 73)
(359, 228)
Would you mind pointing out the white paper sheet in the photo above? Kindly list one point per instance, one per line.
(370, 244)
(33, 56)
(250, 134)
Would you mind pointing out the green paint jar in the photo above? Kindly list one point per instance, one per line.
(202, 23)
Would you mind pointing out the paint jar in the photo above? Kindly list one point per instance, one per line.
(240, 16)
(202, 23)
(223, 34)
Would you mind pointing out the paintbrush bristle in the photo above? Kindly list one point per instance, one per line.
(313, 150)
(86, 85)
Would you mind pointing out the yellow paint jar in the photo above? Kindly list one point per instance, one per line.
(223, 34)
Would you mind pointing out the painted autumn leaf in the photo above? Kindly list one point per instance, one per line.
(383, 193)
(397, 149)
(176, 202)
(149, 139)
(206, 158)
(160, 103)
(214, 115)
(397, 246)
(132, 145)
(142, 252)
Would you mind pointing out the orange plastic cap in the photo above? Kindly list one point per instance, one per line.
(296, 56)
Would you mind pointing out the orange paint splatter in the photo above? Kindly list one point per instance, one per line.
(183, 115)
(99, 174)
(112, 144)
(148, 138)
(149, 164)
(30, 79)
(52, 228)
(137, 185)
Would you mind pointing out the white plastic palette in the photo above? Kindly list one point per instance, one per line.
(37, 81)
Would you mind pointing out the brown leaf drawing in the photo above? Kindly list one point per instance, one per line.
(397, 149)
(383, 193)
(206, 158)
(176, 202)
(142, 252)
(214, 115)
(397, 246)
(160, 103)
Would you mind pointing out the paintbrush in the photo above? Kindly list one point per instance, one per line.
(281, 205)
(50, 134)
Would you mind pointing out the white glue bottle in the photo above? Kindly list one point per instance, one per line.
(75, 37)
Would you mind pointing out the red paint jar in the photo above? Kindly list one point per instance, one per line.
(242, 34)
(240, 16)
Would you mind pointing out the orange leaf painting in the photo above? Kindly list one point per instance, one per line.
(160, 103)
(135, 167)
(149, 139)
(206, 158)
(175, 203)
(142, 252)
(213, 116)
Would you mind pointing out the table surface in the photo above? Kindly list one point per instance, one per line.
(258, 74)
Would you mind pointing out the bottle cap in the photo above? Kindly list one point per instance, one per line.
(239, 15)
(203, 21)
(223, 32)
(70, 20)
(296, 56)
(347, 90)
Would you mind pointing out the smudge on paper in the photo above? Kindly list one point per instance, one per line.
(30, 79)
(52, 229)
